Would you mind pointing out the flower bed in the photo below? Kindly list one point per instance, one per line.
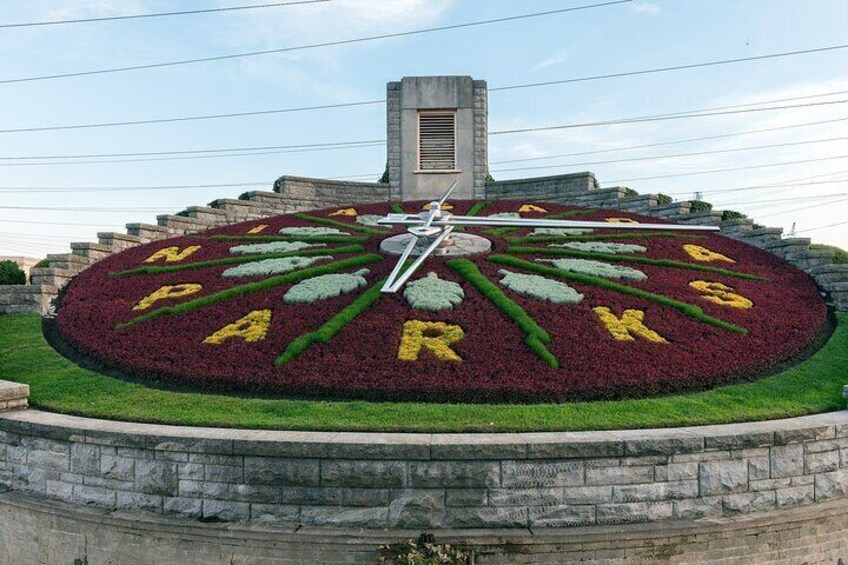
(691, 323)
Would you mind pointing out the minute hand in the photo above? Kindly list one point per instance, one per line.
(409, 220)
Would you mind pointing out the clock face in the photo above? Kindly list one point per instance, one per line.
(291, 306)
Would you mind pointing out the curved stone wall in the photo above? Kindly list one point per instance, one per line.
(428, 481)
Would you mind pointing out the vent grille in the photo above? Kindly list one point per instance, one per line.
(436, 141)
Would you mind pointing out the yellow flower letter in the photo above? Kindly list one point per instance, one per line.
(621, 221)
(435, 336)
(345, 212)
(443, 207)
(258, 229)
(720, 294)
(531, 208)
(174, 291)
(630, 324)
(252, 327)
(699, 253)
(172, 254)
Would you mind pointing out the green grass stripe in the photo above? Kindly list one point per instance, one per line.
(332, 326)
(257, 286)
(478, 207)
(238, 259)
(397, 208)
(600, 237)
(58, 385)
(688, 309)
(303, 238)
(561, 216)
(560, 252)
(536, 336)
(337, 224)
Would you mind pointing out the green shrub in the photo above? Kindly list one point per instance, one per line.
(700, 206)
(244, 196)
(489, 177)
(43, 263)
(10, 273)
(183, 213)
(732, 215)
(424, 551)
(664, 199)
(628, 192)
(385, 178)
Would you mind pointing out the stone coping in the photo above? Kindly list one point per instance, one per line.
(427, 446)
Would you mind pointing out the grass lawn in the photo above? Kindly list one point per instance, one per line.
(814, 385)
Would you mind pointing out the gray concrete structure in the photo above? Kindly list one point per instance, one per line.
(406, 99)
(765, 490)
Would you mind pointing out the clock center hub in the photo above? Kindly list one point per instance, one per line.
(456, 245)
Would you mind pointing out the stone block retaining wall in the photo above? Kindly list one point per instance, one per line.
(297, 193)
(428, 481)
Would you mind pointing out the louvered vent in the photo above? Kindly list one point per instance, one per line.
(436, 141)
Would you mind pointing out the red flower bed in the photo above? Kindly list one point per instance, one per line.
(787, 317)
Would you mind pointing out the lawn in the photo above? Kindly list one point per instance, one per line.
(59, 385)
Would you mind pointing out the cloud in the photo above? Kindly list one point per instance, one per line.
(646, 8)
(555, 59)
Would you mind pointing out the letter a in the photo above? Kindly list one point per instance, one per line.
(250, 328)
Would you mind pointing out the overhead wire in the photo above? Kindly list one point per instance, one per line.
(159, 14)
(314, 45)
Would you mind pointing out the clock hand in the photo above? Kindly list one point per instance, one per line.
(411, 220)
(387, 286)
(414, 267)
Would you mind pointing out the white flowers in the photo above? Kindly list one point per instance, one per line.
(369, 220)
(596, 268)
(323, 287)
(560, 231)
(305, 231)
(273, 266)
(539, 287)
(273, 247)
(601, 247)
(433, 293)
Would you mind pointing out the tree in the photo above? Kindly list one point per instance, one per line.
(10, 273)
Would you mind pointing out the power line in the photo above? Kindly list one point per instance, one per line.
(673, 68)
(675, 155)
(187, 151)
(822, 227)
(760, 216)
(662, 143)
(732, 169)
(160, 14)
(662, 117)
(190, 157)
(787, 182)
(313, 45)
(132, 187)
(60, 223)
(193, 118)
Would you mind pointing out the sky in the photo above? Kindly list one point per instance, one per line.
(50, 196)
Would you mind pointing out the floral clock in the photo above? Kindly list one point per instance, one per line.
(291, 306)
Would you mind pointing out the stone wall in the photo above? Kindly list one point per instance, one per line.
(428, 481)
(63, 533)
(298, 193)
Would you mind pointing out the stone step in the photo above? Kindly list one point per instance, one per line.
(786, 246)
(672, 210)
(640, 203)
(50, 276)
(737, 226)
(118, 241)
(760, 235)
(271, 200)
(68, 261)
(240, 210)
(26, 299)
(708, 218)
(826, 275)
(180, 225)
(810, 258)
(147, 232)
(94, 251)
(210, 216)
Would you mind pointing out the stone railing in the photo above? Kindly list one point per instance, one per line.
(428, 481)
(298, 193)
(13, 396)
